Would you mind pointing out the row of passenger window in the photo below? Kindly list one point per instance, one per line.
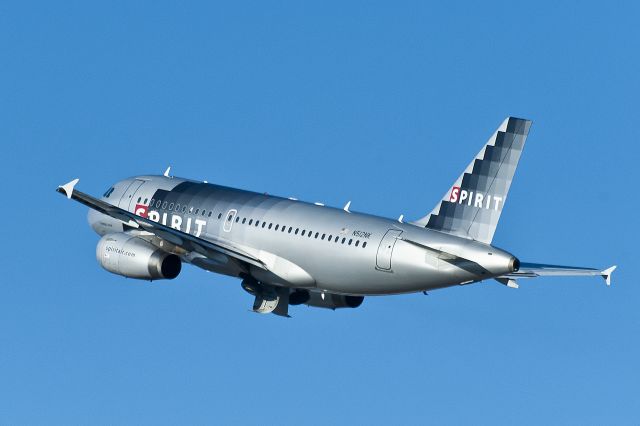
(165, 205)
(296, 231)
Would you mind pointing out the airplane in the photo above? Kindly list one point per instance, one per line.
(289, 252)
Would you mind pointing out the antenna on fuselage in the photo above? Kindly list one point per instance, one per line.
(346, 207)
(166, 172)
(401, 218)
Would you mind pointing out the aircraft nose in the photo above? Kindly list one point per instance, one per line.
(92, 218)
(103, 224)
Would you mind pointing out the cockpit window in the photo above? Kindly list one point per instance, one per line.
(108, 193)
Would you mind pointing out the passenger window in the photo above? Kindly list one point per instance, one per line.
(177, 207)
(204, 212)
(184, 209)
(219, 215)
(164, 205)
(297, 229)
(310, 233)
(264, 224)
(364, 244)
(290, 228)
(270, 225)
(330, 236)
(277, 226)
(190, 210)
(171, 206)
(317, 233)
(257, 223)
(284, 228)
(302, 235)
(343, 240)
(244, 220)
(158, 204)
(357, 243)
(322, 238)
(145, 200)
(250, 221)
(139, 198)
(197, 210)
(209, 214)
(230, 218)
(152, 201)
(237, 219)
(350, 241)
(337, 238)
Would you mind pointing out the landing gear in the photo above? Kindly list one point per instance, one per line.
(268, 298)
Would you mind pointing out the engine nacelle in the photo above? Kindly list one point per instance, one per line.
(324, 300)
(133, 257)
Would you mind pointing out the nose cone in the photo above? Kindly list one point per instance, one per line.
(93, 218)
(103, 224)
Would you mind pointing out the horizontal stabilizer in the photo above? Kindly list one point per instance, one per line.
(532, 270)
(451, 258)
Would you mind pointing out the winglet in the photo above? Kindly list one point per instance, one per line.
(67, 188)
(346, 207)
(166, 172)
(606, 274)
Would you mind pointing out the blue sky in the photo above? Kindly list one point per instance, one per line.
(383, 104)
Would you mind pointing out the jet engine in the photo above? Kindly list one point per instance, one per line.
(324, 300)
(133, 257)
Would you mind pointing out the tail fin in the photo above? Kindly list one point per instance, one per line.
(472, 206)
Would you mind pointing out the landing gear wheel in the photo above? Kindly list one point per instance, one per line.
(268, 298)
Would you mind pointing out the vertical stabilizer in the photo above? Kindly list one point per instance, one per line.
(471, 207)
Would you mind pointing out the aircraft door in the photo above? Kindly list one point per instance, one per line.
(127, 199)
(228, 222)
(385, 250)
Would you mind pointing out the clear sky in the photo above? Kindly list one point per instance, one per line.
(380, 103)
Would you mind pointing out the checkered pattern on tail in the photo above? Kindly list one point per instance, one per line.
(472, 206)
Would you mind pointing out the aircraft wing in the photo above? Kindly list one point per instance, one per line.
(532, 270)
(186, 241)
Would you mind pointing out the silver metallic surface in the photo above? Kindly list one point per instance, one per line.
(133, 257)
(289, 250)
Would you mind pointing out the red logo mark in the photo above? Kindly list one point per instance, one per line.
(141, 210)
(455, 192)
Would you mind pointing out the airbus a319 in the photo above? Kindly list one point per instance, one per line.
(289, 252)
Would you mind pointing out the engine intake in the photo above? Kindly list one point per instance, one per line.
(133, 257)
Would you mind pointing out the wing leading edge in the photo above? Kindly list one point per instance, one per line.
(187, 241)
(532, 270)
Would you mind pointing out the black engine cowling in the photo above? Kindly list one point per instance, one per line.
(329, 301)
(133, 257)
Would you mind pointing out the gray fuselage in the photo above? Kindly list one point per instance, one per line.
(304, 245)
